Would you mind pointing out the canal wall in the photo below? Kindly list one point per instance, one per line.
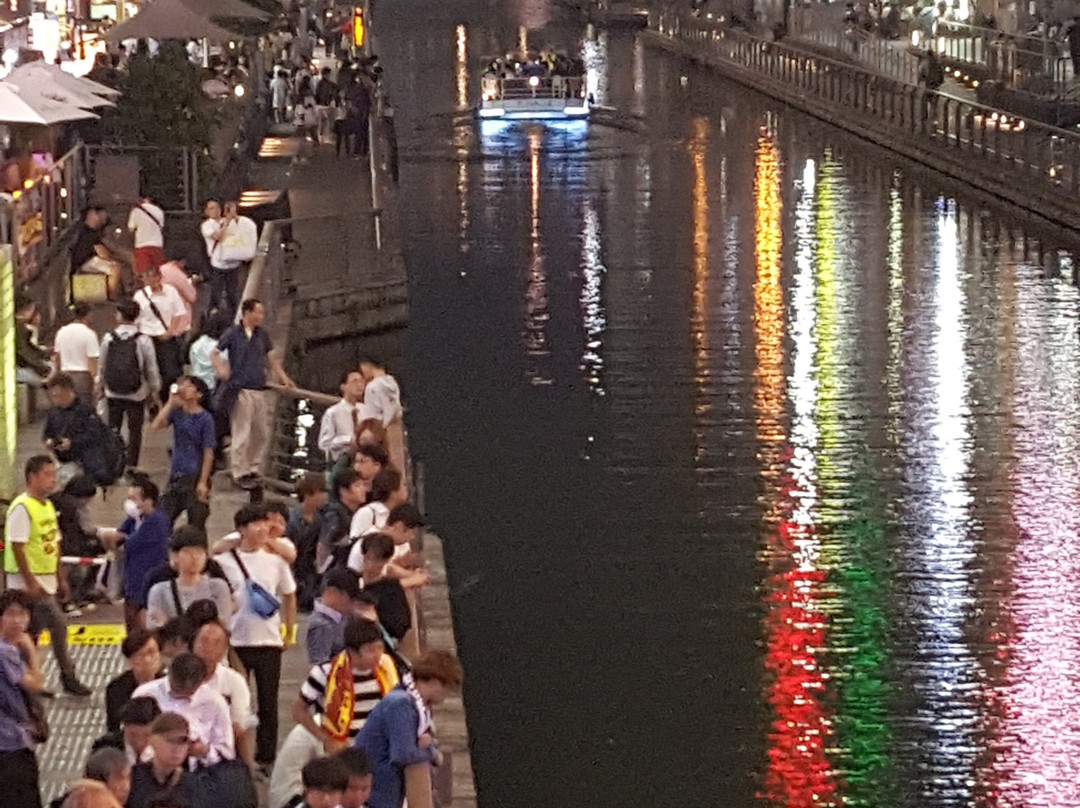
(1028, 164)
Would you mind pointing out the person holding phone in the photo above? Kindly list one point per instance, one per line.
(192, 461)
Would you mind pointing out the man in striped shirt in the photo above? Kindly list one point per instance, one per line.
(332, 706)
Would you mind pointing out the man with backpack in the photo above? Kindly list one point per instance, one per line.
(129, 377)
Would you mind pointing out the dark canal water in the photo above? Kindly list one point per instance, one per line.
(755, 451)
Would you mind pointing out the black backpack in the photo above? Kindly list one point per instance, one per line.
(115, 452)
(123, 373)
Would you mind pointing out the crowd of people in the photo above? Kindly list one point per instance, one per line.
(207, 619)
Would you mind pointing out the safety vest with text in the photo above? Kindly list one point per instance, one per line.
(43, 548)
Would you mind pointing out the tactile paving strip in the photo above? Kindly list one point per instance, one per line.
(74, 723)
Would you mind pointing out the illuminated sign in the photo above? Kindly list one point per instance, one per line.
(358, 28)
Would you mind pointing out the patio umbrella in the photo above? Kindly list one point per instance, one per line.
(168, 19)
(52, 83)
(16, 107)
(230, 9)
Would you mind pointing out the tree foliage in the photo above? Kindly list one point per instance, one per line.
(162, 102)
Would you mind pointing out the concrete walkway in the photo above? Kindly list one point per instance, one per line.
(325, 189)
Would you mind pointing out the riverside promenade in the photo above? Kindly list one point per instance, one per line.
(325, 186)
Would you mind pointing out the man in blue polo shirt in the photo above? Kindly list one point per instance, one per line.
(194, 441)
(243, 376)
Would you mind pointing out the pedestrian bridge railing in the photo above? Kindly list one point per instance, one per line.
(1026, 162)
(889, 58)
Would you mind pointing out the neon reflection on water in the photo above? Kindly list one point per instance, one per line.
(798, 771)
(1037, 763)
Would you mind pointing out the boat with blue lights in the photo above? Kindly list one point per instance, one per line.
(540, 86)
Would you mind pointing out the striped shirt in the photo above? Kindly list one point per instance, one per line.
(365, 686)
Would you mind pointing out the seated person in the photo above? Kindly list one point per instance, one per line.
(134, 735)
(140, 649)
(184, 692)
(326, 627)
(79, 537)
(171, 598)
(166, 773)
(332, 706)
(376, 551)
(325, 781)
(73, 432)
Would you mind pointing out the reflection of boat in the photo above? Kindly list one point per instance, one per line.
(534, 89)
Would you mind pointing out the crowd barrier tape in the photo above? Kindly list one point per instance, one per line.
(90, 634)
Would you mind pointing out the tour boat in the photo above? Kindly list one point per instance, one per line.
(532, 90)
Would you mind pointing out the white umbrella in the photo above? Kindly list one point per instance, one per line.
(54, 84)
(15, 107)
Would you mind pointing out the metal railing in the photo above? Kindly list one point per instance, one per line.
(883, 56)
(1032, 164)
(534, 87)
(40, 216)
(1012, 60)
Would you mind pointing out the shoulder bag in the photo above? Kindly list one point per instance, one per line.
(261, 601)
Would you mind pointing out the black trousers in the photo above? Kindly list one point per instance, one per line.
(180, 496)
(225, 290)
(135, 412)
(264, 662)
(21, 789)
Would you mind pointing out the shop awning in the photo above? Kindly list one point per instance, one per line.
(169, 19)
(226, 9)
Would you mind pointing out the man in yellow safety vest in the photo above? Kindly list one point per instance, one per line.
(32, 562)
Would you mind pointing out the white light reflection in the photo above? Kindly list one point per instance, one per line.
(940, 594)
(637, 107)
(803, 385)
(895, 316)
(462, 72)
(592, 306)
(595, 55)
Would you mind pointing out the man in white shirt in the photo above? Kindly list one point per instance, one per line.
(162, 316)
(147, 224)
(383, 395)
(256, 625)
(230, 240)
(75, 352)
(184, 691)
(338, 428)
(211, 645)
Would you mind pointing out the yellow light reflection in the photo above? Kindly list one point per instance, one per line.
(462, 69)
(536, 308)
(700, 217)
(523, 40)
(768, 295)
